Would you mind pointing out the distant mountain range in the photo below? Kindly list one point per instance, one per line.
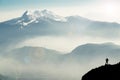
(46, 23)
(94, 52)
(39, 23)
(83, 54)
(29, 54)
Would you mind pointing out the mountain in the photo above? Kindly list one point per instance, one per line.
(83, 54)
(46, 23)
(29, 54)
(107, 72)
(35, 16)
(95, 53)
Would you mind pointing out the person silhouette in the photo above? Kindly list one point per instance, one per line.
(106, 63)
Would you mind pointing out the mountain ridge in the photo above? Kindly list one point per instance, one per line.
(19, 29)
(89, 51)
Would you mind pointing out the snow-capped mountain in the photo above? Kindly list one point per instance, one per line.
(41, 14)
(46, 23)
(35, 16)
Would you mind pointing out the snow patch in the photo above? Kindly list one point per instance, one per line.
(34, 15)
(27, 23)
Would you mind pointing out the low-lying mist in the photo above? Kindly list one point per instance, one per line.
(30, 60)
(63, 43)
(43, 71)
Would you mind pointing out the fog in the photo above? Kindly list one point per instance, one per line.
(64, 43)
(44, 71)
(68, 69)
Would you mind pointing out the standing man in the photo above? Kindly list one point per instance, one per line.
(106, 61)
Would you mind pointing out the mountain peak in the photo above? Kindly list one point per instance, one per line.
(37, 14)
(26, 13)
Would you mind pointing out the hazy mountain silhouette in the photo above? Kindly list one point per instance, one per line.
(90, 52)
(82, 54)
(35, 54)
(106, 72)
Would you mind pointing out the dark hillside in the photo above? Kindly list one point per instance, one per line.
(107, 72)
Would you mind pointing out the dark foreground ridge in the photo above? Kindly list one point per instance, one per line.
(107, 72)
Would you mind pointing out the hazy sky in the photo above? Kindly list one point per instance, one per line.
(104, 10)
